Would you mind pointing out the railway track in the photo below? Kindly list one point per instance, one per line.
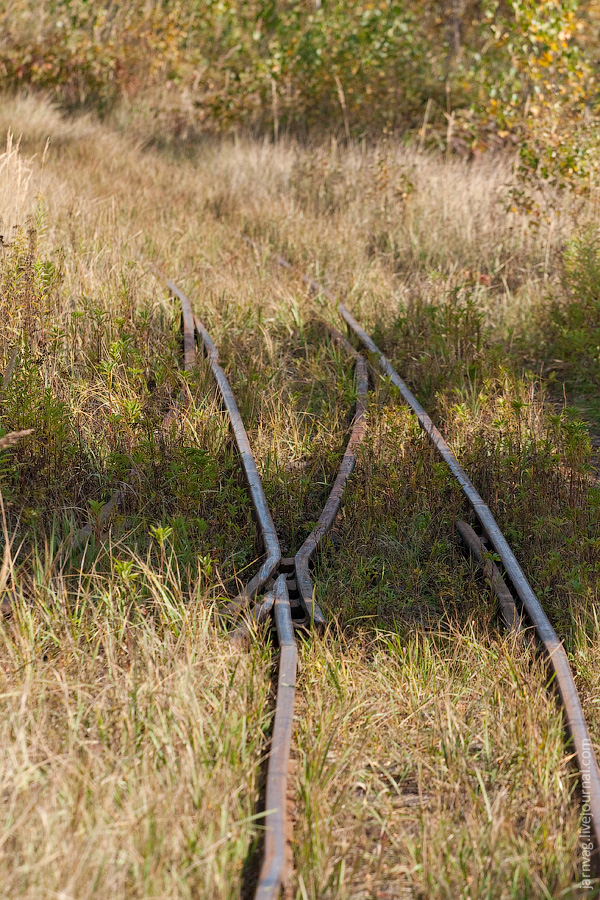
(531, 607)
(518, 603)
(283, 588)
(289, 593)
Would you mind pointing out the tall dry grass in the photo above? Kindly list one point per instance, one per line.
(15, 178)
(133, 736)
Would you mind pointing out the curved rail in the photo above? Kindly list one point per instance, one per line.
(271, 873)
(357, 435)
(584, 752)
(575, 718)
(477, 549)
(189, 352)
(265, 521)
(277, 599)
(334, 501)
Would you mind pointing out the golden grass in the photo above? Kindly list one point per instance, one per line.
(416, 771)
(132, 738)
(15, 177)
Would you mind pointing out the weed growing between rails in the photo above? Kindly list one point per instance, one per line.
(413, 761)
(530, 461)
(392, 558)
(531, 464)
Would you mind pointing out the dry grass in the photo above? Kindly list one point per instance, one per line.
(132, 738)
(15, 178)
(415, 771)
(430, 759)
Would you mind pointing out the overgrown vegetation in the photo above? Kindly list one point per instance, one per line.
(469, 74)
(430, 759)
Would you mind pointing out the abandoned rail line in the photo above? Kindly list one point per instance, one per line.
(518, 603)
(290, 597)
(283, 588)
(290, 594)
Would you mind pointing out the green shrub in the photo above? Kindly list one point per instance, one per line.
(575, 321)
(487, 71)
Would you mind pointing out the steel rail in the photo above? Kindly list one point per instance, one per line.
(506, 601)
(273, 865)
(277, 598)
(334, 501)
(300, 564)
(573, 710)
(189, 351)
(266, 526)
(265, 521)
(582, 744)
(332, 506)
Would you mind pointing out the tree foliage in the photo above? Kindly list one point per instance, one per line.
(470, 74)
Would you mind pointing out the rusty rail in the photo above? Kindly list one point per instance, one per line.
(274, 857)
(280, 577)
(478, 550)
(331, 509)
(265, 521)
(334, 501)
(189, 353)
(576, 724)
(267, 528)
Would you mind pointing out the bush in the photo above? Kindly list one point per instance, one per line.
(575, 322)
(486, 69)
